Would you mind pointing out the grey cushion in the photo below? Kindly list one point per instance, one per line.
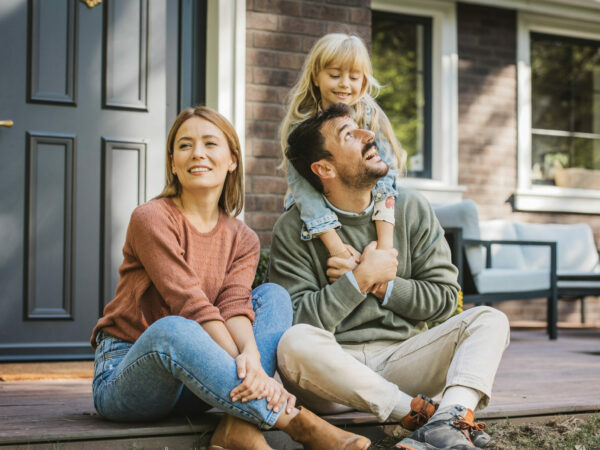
(576, 249)
(489, 281)
(464, 215)
(503, 256)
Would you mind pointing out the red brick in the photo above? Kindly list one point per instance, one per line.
(261, 21)
(301, 26)
(264, 202)
(269, 148)
(327, 12)
(274, 77)
(262, 129)
(261, 58)
(282, 7)
(292, 61)
(268, 112)
(277, 41)
(262, 93)
(360, 16)
(268, 185)
(260, 166)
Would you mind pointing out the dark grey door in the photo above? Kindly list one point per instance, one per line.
(87, 91)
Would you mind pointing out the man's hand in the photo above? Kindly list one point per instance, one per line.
(339, 265)
(375, 266)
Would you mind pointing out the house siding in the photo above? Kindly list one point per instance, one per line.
(279, 34)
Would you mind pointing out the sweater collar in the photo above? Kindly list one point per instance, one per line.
(367, 212)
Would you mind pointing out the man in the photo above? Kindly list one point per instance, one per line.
(360, 337)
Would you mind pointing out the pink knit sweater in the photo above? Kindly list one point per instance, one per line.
(170, 268)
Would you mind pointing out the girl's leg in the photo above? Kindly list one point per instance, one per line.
(383, 215)
(273, 308)
(144, 381)
(385, 235)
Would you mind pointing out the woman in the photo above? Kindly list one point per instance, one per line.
(184, 326)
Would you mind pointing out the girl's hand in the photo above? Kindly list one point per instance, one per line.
(277, 396)
(255, 381)
(339, 265)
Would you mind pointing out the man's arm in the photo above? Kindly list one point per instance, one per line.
(295, 265)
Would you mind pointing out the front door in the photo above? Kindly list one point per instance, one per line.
(86, 90)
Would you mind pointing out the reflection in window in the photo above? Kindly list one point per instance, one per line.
(565, 78)
(401, 53)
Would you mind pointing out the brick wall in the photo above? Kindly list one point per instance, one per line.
(279, 34)
(487, 129)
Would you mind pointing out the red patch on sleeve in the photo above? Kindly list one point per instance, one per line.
(389, 202)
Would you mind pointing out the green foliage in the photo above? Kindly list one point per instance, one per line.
(263, 266)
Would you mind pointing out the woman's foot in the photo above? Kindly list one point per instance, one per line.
(317, 434)
(237, 434)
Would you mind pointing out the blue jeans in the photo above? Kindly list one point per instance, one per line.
(175, 363)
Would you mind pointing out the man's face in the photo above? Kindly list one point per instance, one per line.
(354, 154)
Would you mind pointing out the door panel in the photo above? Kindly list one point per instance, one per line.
(87, 91)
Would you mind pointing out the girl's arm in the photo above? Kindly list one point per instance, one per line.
(219, 333)
(318, 219)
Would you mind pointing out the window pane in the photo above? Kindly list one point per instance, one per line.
(550, 60)
(565, 111)
(550, 107)
(545, 152)
(586, 112)
(401, 61)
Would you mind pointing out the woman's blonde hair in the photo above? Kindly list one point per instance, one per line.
(231, 200)
(340, 50)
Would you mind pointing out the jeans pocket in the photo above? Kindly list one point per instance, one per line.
(109, 354)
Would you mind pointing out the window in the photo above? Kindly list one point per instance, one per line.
(401, 48)
(558, 104)
(414, 53)
(565, 133)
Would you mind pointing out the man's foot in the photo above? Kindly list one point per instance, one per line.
(421, 410)
(449, 429)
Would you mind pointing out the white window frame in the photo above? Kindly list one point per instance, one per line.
(531, 197)
(443, 186)
(226, 63)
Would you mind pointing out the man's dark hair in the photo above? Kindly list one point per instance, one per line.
(306, 143)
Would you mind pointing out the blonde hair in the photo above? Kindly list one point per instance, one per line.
(342, 50)
(231, 200)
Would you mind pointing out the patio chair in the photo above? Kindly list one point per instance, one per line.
(495, 270)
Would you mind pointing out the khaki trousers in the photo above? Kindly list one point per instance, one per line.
(331, 377)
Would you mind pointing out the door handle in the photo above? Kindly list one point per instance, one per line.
(6, 123)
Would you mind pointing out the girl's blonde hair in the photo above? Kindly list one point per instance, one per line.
(340, 50)
(231, 200)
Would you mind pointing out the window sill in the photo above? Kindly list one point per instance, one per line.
(557, 199)
(437, 192)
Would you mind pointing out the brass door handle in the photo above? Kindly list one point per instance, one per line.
(6, 123)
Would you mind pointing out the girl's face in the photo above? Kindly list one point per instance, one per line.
(339, 84)
(201, 156)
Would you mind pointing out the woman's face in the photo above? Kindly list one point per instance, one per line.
(201, 156)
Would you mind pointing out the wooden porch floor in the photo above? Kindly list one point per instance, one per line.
(536, 377)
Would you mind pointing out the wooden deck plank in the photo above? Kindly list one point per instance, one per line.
(536, 376)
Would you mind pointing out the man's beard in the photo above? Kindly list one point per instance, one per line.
(363, 177)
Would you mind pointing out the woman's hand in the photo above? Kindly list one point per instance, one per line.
(277, 396)
(339, 265)
(255, 381)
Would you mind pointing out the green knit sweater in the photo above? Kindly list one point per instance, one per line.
(425, 288)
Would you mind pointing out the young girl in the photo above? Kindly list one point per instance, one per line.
(338, 69)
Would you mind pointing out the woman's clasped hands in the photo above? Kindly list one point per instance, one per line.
(257, 384)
